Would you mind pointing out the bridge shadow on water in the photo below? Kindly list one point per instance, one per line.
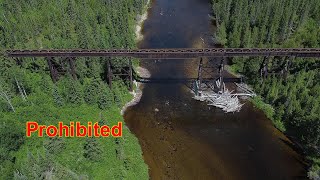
(182, 138)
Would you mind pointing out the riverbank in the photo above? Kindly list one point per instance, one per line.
(295, 98)
(140, 20)
(137, 92)
(231, 71)
(259, 103)
(269, 111)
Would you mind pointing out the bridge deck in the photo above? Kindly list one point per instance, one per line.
(168, 53)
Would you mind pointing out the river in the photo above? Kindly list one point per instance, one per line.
(185, 139)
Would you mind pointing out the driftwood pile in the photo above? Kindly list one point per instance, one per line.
(225, 99)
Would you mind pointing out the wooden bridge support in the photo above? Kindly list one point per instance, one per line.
(109, 74)
(72, 68)
(198, 83)
(126, 72)
(287, 67)
(53, 70)
(282, 71)
(209, 70)
(221, 69)
(130, 76)
(264, 68)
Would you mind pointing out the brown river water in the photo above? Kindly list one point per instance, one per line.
(182, 138)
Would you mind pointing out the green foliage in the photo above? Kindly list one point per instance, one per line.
(307, 130)
(54, 145)
(11, 136)
(292, 103)
(120, 93)
(6, 169)
(106, 98)
(74, 93)
(314, 172)
(57, 98)
(43, 167)
(46, 84)
(71, 91)
(265, 23)
(64, 24)
(222, 34)
(70, 158)
(92, 150)
(92, 89)
(266, 108)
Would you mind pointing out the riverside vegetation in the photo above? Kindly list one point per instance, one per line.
(292, 104)
(27, 92)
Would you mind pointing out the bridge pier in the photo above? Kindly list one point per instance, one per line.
(281, 71)
(264, 68)
(287, 66)
(221, 69)
(124, 72)
(199, 79)
(67, 65)
(53, 70)
(209, 69)
(130, 76)
(109, 74)
(72, 67)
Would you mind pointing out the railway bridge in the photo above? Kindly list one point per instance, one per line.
(205, 67)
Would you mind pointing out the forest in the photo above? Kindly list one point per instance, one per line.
(291, 102)
(28, 93)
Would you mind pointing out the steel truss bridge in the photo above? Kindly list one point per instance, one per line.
(205, 68)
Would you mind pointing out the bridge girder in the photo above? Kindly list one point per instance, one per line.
(168, 53)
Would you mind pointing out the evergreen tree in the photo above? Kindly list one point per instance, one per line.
(92, 150)
(105, 98)
(73, 93)
(91, 90)
(57, 98)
